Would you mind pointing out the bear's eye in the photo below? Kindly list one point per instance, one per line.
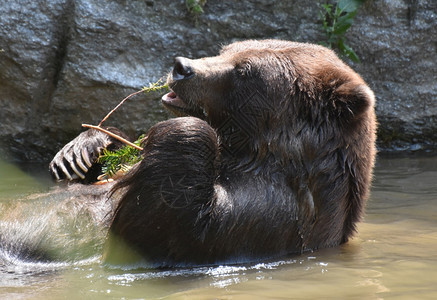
(244, 69)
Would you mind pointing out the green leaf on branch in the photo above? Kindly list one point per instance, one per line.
(195, 7)
(349, 5)
(155, 87)
(122, 159)
(349, 52)
(336, 20)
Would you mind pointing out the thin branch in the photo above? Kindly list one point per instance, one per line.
(119, 104)
(115, 136)
(152, 88)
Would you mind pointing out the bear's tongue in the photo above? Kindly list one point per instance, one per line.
(172, 99)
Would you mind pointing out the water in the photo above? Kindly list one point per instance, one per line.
(393, 256)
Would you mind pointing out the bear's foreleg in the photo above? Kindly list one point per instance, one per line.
(161, 215)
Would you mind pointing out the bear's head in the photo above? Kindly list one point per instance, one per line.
(275, 98)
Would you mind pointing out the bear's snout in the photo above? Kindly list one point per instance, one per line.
(182, 69)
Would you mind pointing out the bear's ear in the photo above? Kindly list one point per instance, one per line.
(352, 99)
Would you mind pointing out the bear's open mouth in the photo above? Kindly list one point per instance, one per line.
(180, 107)
(173, 101)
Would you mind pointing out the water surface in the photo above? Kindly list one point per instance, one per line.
(393, 256)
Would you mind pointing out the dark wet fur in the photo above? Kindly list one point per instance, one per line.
(281, 164)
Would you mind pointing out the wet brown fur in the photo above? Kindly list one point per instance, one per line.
(297, 178)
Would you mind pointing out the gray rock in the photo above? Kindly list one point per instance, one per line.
(67, 62)
(397, 43)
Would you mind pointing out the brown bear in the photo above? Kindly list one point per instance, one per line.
(276, 158)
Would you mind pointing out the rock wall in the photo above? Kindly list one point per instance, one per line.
(67, 62)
